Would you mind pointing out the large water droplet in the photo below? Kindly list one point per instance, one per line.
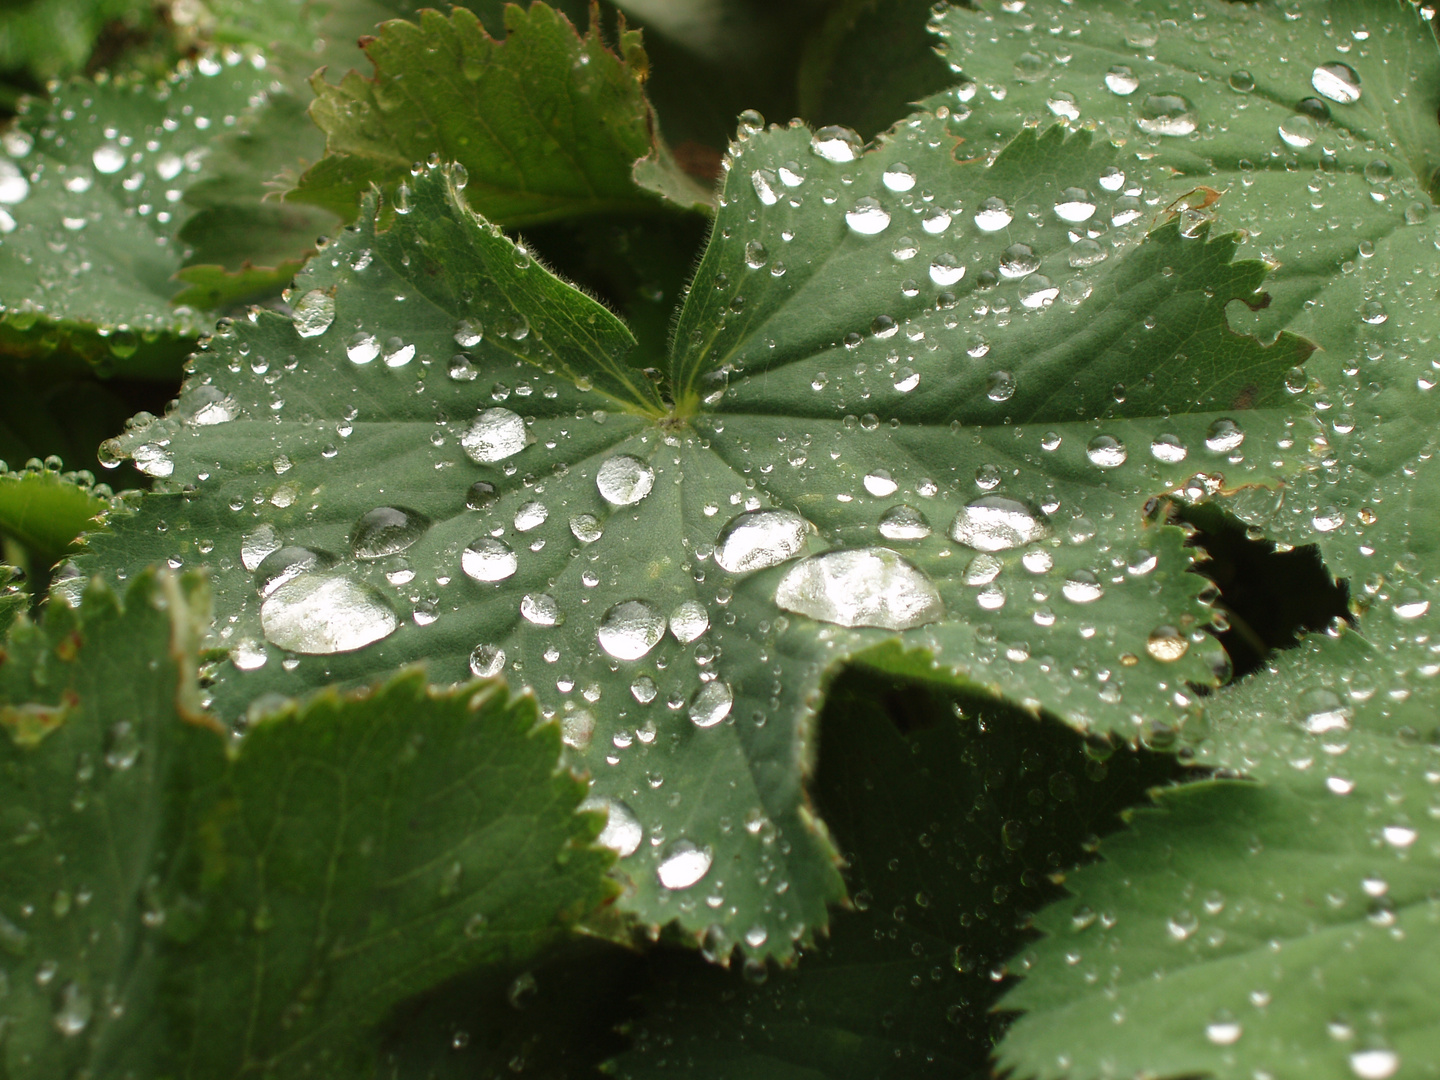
(1121, 80)
(1298, 131)
(1075, 205)
(837, 144)
(904, 523)
(622, 832)
(586, 528)
(362, 348)
(868, 217)
(1224, 436)
(898, 177)
(1037, 291)
(205, 406)
(1082, 587)
(1336, 81)
(631, 629)
(542, 609)
(286, 564)
(1017, 260)
(469, 333)
(487, 661)
(689, 621)
(489, 560)
(1168, 449)
(13, 185)
(760, 538)
(320, 614)
(997, 523)
(712, 704)
(256, 544)
(75, 1010)
(683, 865)
(993, 215)
(624, 480)
(1166, 644)
(530, 516)
(1321, 712)
(494, 435)
(1106, 451)
(1374, 1064)
(864, 587)
(313, 313)
(108, 158)
(946, 269)
(387, 530)
(1166, 114)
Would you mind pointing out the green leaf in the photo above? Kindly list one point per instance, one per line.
(178, 908)
(548, 123)
(702, 734)
(47, 511)
(1247, 926)
(49, 39)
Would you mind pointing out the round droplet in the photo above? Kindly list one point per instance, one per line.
(488, 559)
(494, 435)
(1298, 131)
(387, 530)
(1082, 587)
(1166, 114)
(398, 353)
(1121, 80)
(993, 215)
(1321, 712)
(1037, 291)
(1242, 82)
(868, 217)
(1106, 451)
(1166, 644)
(286, 564)
(904, 523)
(898, 177)
(586, 528)
(487, 661)
(837, 144)
(530, 516)
(643, 689)
(946, 269)
(1168, 449)
(542, 609)
(689, 621)
(362, 348)
(321, 614)
(1075, 205)
(1223, 1032)
(1062, 103)
(631, 629)
(1037, 560)
(624, 480)
(760, 538)
(1000, 386)
(863, 587)
(622, 832)
(1086, 252)
(1374, 1064)
(1224, 436)
(469, 333)
(1017, 260)
(997, 523)
(1336, 81)
(756, 255)
(313, 313)
(481, 494)
(108, 158)
(712, 704)
(880, 483)
(983, 569)
(683, 865)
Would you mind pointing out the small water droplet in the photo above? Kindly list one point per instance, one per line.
(487, 661)
(1075, 205)
(898, 178)
(1017, 260)
(1121, 80)
(1166, 644)
(531, 516)
(1321, 712)
(1106, 451)
(868, 217)
(362, 348)
(1037, 291)
(469, 333)
(712, 704)
(836, 144)
(1374, 1064)
(1224, 436)
(1242, 82)
(1168, 449)
(993, 215)
(880, 483)
(1223, 1032)
(586, 528)
(108, 158)
(622, 832)
(1298, 131)
(542, 609)
(904, 523)
(689, 621)
(256, 544)
(946, 269)
(1082, 587)
(76, 1006)
(1166, 114)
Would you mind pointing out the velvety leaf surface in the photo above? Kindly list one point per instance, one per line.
(179, 907)
(548, 123)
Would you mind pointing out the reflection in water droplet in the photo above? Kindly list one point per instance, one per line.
(469, 333)
(631, 629)
(1082, 587)
(286, 564)
(760, 538)
(983, 569)
(898, 177)
(313, 313)
(586, 528)
(904, 523)
(1374, 1064)
(1337, 81)
(362, 348)
(624, 480)
(993, 215)
(1017, 260)
(542, 609)
(1223, 1032)
(1224, 436)
(1121, 80)
(487, 661)
(256, 544)
(75, 1009)
(997, 523)
(712, 704)
(864, 587)
(868, 218)
(1037, 291)
(1321, 711)
(945, 269)
(1166, 644)
(494, 435)
(387, 530)
(1166, 114)
(1037, 560)
(683, 864)
(1298, 131)
(480, 495)
(108, 158)
(880, 483)
(320, 614)
(643, 689)
(1106, 451)
(531, 516)
(689, 621)
(1075, 205)
(622, 832)
(1168, 449)
(205, 406)
(837, 144)
(489, 560)
(1000, 386)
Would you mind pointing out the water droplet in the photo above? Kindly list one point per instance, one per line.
(1224, 436)
(1336, 81)
(480, 495)
(1121, 80)
(586, 528)
(837, 144)
(256, 544)
(285, 564)
(863, 587)
(983, 569)
(398, 353)
(763, 181)
(1166, 644)
(630, 629)
(122, 746)
(1063, 104)
(1086, 252)
(899, 177)
(1298, 131)
(643, 689)
(1242, 82)
(387, 530)
(494, 435)
(868, 218)
(622, 832)
(1410, 604)
(542, 609)
(683, 864)
(880, 484)
(1374, 1064)
(487, 661)
(75, 1008)
(362, 348)
(945, 269)
(1322, 711)
(489, 560)
(624, 480)
(689, 621)
(108, 158)
(712, 704)
(1223, 1032)
(530, 516)
(469, 333)
(756, 254)
(1082, 587)
(1168, 449)
(1075, 205)
(904, 523)
(936, 221)
(313, 313)
(997, 523)
(1017, 260)
(320, 614)
(993, 215)
(760, 538)
(249, 654)
(1000, 386)
(1037, 291)
(1106, 451)
(1166, 114)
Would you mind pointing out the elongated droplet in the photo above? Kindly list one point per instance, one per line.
(712, 704)
(285, 564)
(997, 523)
(314, 312)
(864, 587)
(256, 544)
(1337, 81)
(320, 614)
(622, 832)
(689, 621)
(631, 629)
(683, 865)
(760, 538)
(387, 530)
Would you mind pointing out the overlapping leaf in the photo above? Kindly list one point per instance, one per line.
(175, 908)
(47, 510)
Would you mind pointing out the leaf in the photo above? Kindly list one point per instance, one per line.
(47, 511)
(710, 731)
(952, 809)
(548, 123)
(50, 39)
(1265, 926)
(174, 908)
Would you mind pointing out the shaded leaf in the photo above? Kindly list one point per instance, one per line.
(47, 511)
(49, 39)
